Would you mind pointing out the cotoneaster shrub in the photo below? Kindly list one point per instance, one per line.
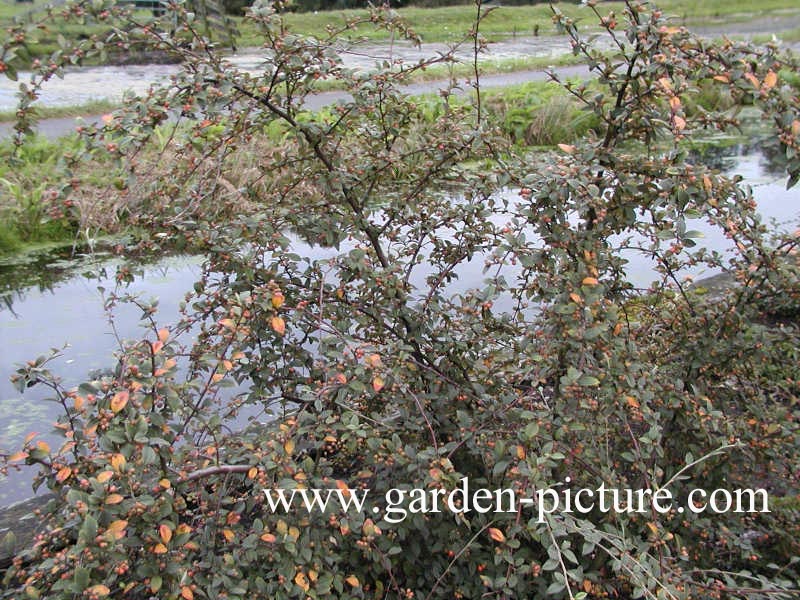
(407, 304)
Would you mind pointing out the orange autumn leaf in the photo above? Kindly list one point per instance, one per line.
(157, 346)
(114, 498)
(99, 590)
(252, 472)
(117, 525)
(43, 446)
(770, 79)
(63, 474)
(675, 103)
(632, 402)
(566, 148)
(160, 549)
(278, 299)
(165, 483)
(104, 476)
(589, 281)
(228, 535)
(186, 593)
(183, 528)
(118, 462)
(269, 538)
(79, 403)
(117, 529)
(575, 298)
(377, 383)
(163, 335)
(680, 123)
(752, 79)
(30, 436)
(497, 535)
(722, 78)
(17, 456)
(340, 378)
(119, 401)
(707, 186)
(353, 581)
(342, 486)
(374, 360)
(301, 580)
(165, 532)
(278, 325)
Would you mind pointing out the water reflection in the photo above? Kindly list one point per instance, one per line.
(67, 307)
(727, 154)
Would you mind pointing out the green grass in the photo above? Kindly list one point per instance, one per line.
(45, 40)
(693, 9)
(95, 107)
(444, 24)
(9, 239)
(453, 22)
(464, 69)
(26, 174)
(496, 66)
(791, 35)
(10, 9)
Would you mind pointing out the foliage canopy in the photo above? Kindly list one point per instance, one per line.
(471, 317)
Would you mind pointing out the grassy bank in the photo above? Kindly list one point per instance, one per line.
(444, 24)
(450, 23)
(95, 107)
(531, 115)
(32, 211)
(28, 215)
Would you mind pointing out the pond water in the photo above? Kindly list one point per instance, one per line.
(56, 302)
